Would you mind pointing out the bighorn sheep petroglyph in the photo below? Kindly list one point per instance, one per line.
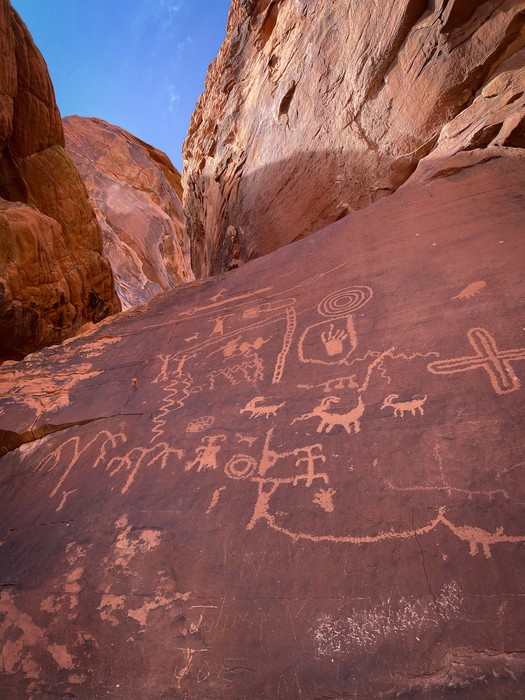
(402, 407)
(329, 420)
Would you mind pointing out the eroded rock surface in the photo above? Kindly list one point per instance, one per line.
(315, 109)
(135, 191)
(53, 276)
(298, 485)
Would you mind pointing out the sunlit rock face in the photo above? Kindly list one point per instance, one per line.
(300, 479)
(53, 276)
(315, 109)
(135, 191)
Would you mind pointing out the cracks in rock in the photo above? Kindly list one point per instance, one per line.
(11, 440)
(447, 172)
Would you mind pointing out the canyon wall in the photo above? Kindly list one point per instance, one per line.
(301, 479)
(316, 109)
(135, 191)
(53, 276)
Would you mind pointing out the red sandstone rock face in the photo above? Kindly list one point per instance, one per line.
(53, 277)
(135, 191)
(296, 485)
(314, 109)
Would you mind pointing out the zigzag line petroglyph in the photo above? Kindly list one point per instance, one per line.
(291, 325)
(176, 393)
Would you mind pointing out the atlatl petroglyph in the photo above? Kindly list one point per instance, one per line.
(256, 410)
(331, 342)
(139, 457)
(72, 448)
(350, 419)
(415, 405)
(496, 363)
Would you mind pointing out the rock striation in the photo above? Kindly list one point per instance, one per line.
(296, 485)
(53, 276)
(135, 191)
(316, 109)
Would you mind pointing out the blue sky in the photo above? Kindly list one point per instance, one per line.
(139, 64)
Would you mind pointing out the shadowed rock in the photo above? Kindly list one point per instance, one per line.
(346, 98)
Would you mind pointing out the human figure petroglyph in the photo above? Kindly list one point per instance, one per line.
(218, 328)
(324, 499)
(496, 363)
(254, 408)
(329, 420)
(415, 405)
(207, 453)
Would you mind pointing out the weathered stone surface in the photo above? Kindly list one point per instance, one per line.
(135, 191)
(297, 485)
(315, 109)
(53, 277)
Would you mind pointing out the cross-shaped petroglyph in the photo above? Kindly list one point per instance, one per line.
(496, 363)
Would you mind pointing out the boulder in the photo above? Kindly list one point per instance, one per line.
(315, 109)
(53, 276)
(302, 479)
(135, 191)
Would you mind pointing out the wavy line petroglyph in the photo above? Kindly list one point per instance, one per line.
(496, 363)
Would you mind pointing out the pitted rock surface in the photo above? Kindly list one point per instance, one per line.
(53, 276)
(135, 191)
(315, 109)
(296, 485)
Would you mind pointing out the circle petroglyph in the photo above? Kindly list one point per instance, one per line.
(197, 425)
(240, 467)
(344, 301)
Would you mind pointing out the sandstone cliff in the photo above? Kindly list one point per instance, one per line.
(135, 191)
(302, 479)
(315, 109)
(53, 277)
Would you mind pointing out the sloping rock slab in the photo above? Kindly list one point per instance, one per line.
(300, 480)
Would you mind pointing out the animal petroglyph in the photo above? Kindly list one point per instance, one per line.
(331, 342)
(350, 419)
(496, 363)
(256, 410)
(415, 405)
(207, 453)
(471, 290)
